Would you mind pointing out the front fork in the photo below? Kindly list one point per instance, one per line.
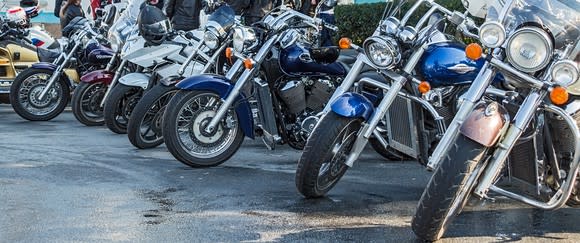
(397, 84)
(472, 97)
(58, 71)
(242, 80)
(114, 81)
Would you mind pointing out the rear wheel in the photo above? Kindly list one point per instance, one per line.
(25, 92)
(86, 103)
(322, 163)
(145, 125)
(186, 117)
(119, 106)
(448, 190)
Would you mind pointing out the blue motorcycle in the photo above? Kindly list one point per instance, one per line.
(276, 89)
(399, 115)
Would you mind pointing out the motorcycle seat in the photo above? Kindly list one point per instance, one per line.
(47, 55)
(324, 54)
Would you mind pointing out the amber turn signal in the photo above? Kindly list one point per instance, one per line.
(248, 63)
(229, 53)
(424, 87)
(344, 43)
(473, 51)
(559, 95)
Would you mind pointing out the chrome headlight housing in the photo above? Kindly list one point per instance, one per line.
(565, 72)
(492, 34)
(244, 38)
(390, 26)
(529, 49)
(114, 40)
(210, 39)
(383, 52)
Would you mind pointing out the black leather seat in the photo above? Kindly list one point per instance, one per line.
(48, 55)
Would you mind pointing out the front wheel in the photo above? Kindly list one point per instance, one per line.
(184, 129)
(145, 125)
(448, 190)
(25, 92)
(322, 163)
(86, 103)
(119, 106)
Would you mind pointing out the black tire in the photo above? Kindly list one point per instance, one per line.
(318, 152)
(86, 103)
(149, 113)
(119, 106)
(448, 190)
(185, 102)
(32, 80)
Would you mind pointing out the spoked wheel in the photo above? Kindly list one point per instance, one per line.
(323, 161)
(25, 92)
(119, 106)
(145, 125)
(86, 103)
(184, 128)
(449, 188)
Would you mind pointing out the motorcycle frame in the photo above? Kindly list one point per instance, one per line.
(59, 68)
(501, 149)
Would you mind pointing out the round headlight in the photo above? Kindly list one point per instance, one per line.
(529, 49)
(210, 39)
(383, 52)
(244, 38)
(492, 34)
(114, 39)
(238, 39)
(565, 72)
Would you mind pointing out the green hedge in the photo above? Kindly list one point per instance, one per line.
(358, 21)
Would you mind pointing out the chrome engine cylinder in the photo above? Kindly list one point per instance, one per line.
(294, 96)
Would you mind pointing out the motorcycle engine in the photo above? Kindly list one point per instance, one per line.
(303, 100)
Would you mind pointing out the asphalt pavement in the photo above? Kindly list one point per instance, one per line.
(61, 181)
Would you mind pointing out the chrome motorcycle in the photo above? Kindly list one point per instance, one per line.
(524, 146)
(145, 124)
(401, 116)
(41, 92)
(285, 84)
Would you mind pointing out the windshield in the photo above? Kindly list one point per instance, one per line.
(560, 17)
(224, 16)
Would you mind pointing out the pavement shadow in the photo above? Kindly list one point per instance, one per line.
(508, 225)
(352, 234)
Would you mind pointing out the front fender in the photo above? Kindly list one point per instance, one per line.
(484, 124)
(222, 86)
(136, 80)
(353, 105)
(98, 76)
(44, 65)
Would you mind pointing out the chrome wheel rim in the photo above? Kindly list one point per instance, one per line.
(30, 90)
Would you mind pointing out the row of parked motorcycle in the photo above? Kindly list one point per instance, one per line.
(499, 118)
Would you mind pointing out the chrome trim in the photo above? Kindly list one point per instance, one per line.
(461, 68)
(505, 145)
(563, 194)
(114, 81)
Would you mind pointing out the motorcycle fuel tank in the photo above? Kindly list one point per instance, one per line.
(98, 54)
(295, 60)
(445, 64)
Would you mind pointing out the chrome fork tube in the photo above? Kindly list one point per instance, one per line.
(397, 84)
(58, 70)
(189, 58)
(211, 62)
(246, 75)
(114, 81)
(111, 62)
(473, 95)
(348, 81)
(505, 145)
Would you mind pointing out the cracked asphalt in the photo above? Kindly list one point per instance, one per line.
(63, 182)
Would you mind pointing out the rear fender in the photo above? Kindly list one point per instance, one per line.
(485, 123)
(136, 80)
(222, 86)
(98, 76)
(353, 105)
